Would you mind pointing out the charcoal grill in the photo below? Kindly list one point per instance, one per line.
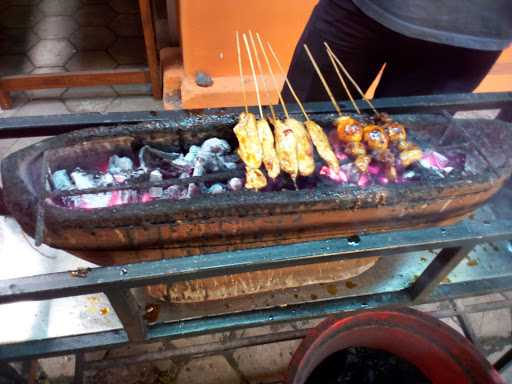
(456, 242)
(231, 221)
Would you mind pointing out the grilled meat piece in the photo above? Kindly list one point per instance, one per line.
(362, 163)
(322, 145)
(250, 150)
(391, 174)
(304, 147)
(254, 179)
(270, 159)
(410, 155)
(286, 148)
(355, 149)
(385, 156)
(375, 137)
(349, 129)
(395, 131)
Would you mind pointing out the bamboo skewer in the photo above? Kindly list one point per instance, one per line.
(260, 70)
(274, 81)
(248, 49)
(342, 80)
(354, 83)
(324, 82)
(242, 82)
(276, 59)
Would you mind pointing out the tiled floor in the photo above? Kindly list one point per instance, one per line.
(45, 36)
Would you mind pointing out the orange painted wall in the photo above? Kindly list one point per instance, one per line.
(208, 44)
(208, 30)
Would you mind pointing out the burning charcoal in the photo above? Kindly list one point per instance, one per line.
(192, 153)
(61, 180)
(374, 169)
(339, 151)
(151, 158)
(235, 184)
(215, 145)
(436, 162)
(81, 179)
(364, 180)
(183, 165)
(199, 168)
(176, 192)
(105, 179)
(118, 178)
(383, 180)
(118, 164)
(216, 189)
(340, 177)
(155, 176)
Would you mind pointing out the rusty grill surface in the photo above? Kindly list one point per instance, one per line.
(483, 142)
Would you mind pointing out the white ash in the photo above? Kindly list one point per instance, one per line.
(235, 184)
(154, 165)
(192, 153)
(216, 189)
(155, 176)
(117, 164)
(61, 180)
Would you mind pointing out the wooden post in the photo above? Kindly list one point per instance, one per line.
(151, 51)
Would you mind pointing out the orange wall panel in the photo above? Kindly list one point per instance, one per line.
(208, 30)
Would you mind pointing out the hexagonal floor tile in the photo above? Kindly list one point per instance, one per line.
(42, 108)
(92, 38)
(97, 15)
(19, 17)
(129, 50)
(17, 40)
(125, 6)
(46, 93)
(54, 27)
(15, 65)
(51, 53)
(127, 26)
(59, 7)
(91, 60)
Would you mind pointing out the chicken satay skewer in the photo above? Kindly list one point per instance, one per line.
(249, 150)
(285, 141)
(342, 80)
(240, 68)
(260, 70)
(316, 133)
(305, 154)
(354, 83)
(270, 159)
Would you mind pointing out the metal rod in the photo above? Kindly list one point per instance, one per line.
(32, 126)
(254, 318)
(64, 284)
(436, 271)
(128, 312)
(40, 226)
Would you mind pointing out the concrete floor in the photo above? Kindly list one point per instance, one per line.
(61, 35)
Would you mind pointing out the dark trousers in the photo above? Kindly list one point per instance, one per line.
(413, 66)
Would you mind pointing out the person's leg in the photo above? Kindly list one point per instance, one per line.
(418, 67)
(353, 36)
